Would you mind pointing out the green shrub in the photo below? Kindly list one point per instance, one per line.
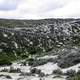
(4, 62)
(70, 73)
(76, 77)
(12, 70)
(23, 63)
(57, 71)
(24, 56)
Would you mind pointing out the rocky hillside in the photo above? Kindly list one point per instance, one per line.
(41, 36)
(47, 49)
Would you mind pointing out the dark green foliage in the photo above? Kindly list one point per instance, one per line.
(23, 56)
(7, 58)
(32, 51)
(30, 59)
(23, 63)
(72, 75)
(5, 62)
(75, 77)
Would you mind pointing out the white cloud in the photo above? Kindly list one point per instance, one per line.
(35, 9)
(8, 5)
(72, 9)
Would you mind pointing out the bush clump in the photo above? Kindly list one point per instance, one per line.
(4, 70)
(68, 59)
(57, 71)
(70, 73)
(6, 76)
(37, 62)
(25, 74)
(35, 71)
(76, 77)
(5, 62)
(12, 70)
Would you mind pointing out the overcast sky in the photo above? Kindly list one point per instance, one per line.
(38, 9)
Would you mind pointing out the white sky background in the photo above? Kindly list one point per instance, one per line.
(39, 9)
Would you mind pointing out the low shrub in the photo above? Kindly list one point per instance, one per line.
(76, 77)
(57, 71)
(4, 70)
(6, 76)
(25, 74)
(70, 73)
(41, 74)
(78, 72)
(5, 62)
(57, 76)
(38, 62)
(12, 70)
(35, 71)
(23, 63)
